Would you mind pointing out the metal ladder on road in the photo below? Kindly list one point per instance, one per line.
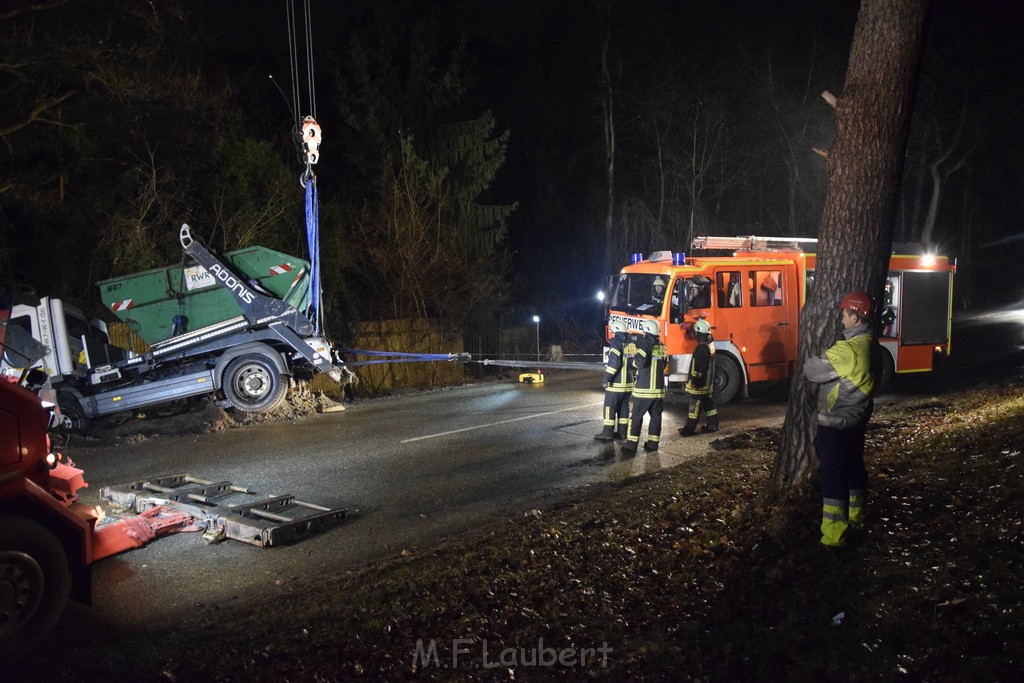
(237, 511)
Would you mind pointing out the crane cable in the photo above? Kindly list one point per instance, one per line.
(307, 132)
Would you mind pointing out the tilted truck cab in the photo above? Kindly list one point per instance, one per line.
(232, 325)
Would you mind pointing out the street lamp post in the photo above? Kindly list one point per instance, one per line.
(536, 321)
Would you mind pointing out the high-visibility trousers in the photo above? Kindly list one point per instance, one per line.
(844, 481)
(641, 407)
(700, 403)
(616, 410)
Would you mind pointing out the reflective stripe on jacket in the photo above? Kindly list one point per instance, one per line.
(700, 379)
(844, 373)
(616, 372)
(649, 362)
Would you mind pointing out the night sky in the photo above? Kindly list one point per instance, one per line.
(758, 66)
(536, 68)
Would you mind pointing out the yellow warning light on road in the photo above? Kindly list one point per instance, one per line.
(531, 378)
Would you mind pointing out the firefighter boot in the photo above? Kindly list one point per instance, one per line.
(651, 446)
(622, 433)
(607, 434)
(630, 446)
(689, 428)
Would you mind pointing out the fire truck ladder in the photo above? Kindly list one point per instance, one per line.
(237, 511)
(755, 243)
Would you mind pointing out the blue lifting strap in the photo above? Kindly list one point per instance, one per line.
(313, 238)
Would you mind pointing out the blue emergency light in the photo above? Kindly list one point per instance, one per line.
(636, 257)
(678, 259)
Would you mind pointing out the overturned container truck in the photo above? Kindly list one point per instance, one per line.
(232, 325)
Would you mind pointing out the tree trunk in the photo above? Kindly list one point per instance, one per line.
(608, 110)
(864, 169)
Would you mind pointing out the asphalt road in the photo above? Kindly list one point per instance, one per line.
(422, 468)
(417, 468)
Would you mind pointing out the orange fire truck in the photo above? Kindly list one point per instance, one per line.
(752, 298)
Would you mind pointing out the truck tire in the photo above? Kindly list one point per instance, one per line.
(253, 384)
(34, 585)
(72, 410)
(727, 379)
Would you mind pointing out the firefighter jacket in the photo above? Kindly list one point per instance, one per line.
(649, 363)
(700, 380)
(844, 373)
(616, 372)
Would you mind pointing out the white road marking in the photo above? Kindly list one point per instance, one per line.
(501, 422)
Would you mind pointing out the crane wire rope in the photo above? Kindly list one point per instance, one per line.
(308, 132)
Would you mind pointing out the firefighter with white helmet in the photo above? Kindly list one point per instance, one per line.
(658, 290)
(618, 384)
(846, 382)
(700, 382)
(648, 388)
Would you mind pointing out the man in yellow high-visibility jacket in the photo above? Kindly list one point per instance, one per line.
(845, 403)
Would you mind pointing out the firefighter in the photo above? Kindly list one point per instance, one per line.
(617, 386)
(658, 291)
(844, 373)
(700, 382)
(648, 388)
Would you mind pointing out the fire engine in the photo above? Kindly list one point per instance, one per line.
(752, 297)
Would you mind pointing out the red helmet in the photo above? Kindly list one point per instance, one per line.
(858, 302)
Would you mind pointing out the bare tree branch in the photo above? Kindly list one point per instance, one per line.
(34, 115)
(27, 9)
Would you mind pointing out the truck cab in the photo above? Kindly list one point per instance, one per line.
(45, 545)
(73, 339)
(752, 296)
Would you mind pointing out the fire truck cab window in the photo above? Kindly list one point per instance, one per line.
(677, 309)
(730, 292)
(697, 293)
(766, 287)
(634, 293)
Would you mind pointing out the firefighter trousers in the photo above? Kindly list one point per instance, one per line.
(697, 404)
(641, 407)
(844, 481)
(616, 411)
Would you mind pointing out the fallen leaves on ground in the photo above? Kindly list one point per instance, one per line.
(698, 573)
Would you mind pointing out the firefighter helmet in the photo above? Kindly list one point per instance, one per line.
(659, 282)
(702, 327)
(617, 326)
(858, 302)
(650, 327)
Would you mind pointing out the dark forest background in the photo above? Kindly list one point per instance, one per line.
(481, 160)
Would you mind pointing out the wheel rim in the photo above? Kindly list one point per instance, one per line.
(720, 381)
(252, 383)
(21, 590)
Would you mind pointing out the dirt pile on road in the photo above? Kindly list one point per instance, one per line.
(201, 415)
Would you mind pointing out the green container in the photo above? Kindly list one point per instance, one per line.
(149, 301)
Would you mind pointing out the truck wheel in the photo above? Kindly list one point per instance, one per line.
(71, 409)
(34, 585)
(727, 379)
(252, 383)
